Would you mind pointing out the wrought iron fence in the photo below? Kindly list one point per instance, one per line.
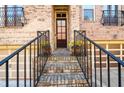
(112, 17)
(12, 16)
(24, 67)
(96, 63)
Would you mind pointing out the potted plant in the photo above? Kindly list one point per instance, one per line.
(75, 46)
(46, 48)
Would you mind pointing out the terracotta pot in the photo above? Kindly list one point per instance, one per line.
(77, 50)
(46, 50)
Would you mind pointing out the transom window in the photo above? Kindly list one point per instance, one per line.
(61, 15)
(88, 11)
(11, 15)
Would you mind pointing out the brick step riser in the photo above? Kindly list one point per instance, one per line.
(61, 71)
(64, 82)
(67, 61)
(67, 68)
(62, 58)
(62, 64)
(68, 85)
(74, 85)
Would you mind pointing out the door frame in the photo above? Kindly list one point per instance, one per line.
(55, 11)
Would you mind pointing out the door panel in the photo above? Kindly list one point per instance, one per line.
(61, 31)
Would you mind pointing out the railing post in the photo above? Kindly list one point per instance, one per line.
(25, 67)
(48, 36)
(85, 46)
(87, 59)
(30, 65)
(37, 54)
(7, 74)
(34, 67)
(18, 70)
(38, 33)
(108, 71)
(119, 75)
(74, 41)
(83, 58)
(48, 41)
(40, 56)
(100, 67)
(95, 66)
(91, 63)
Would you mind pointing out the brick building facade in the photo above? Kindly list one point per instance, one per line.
(44, 17)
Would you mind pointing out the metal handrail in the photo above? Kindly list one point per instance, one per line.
(17, 51)
(36, 65)
(87, 57)
(104, 50)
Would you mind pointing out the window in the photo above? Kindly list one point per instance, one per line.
(110, 15)
(88, 12)
(11, 15)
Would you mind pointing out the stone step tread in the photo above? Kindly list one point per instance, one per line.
(62, 76)
(66, 82)
(61, 71)
(62, 63)
(62, 58)
(62, 67)
(63, 82)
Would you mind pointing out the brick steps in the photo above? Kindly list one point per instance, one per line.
(61, 79)
(62, 72)
(62, 67)
(62, 58)
(65, 85)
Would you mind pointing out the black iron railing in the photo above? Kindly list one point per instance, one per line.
(25, 66)
(112, 17)
(12, 16)
(96, 63)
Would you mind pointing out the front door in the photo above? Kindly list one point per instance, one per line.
(61, 32)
